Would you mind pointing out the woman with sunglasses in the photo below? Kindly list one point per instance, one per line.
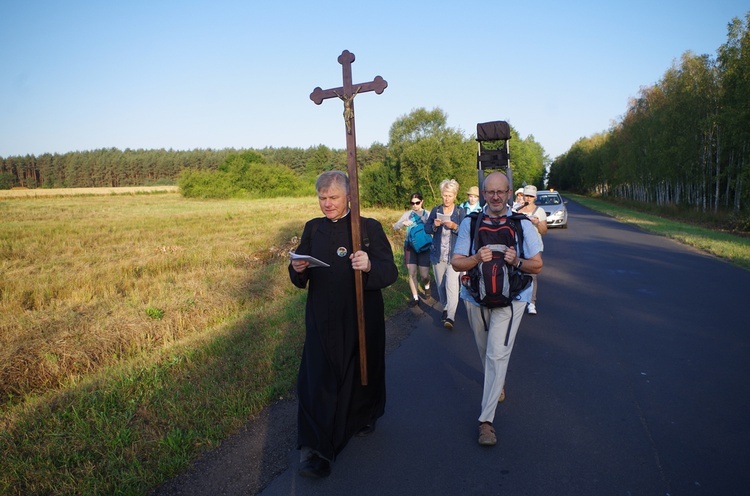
(412, 258)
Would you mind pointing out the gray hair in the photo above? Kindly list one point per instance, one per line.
(449, 184)
(330, 178)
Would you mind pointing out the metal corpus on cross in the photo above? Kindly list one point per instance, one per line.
(346, 93)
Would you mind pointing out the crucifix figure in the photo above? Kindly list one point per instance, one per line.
(346, 93)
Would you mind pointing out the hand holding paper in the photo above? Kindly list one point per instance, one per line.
(312, 261)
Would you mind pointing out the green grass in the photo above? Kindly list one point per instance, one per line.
(731, 247)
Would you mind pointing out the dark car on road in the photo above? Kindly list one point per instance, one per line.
(554, 206)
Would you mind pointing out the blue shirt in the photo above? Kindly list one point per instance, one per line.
(532, 244)
(469, 209)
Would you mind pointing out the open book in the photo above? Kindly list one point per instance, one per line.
(314, 262)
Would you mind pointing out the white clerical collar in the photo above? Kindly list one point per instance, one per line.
(343, 216)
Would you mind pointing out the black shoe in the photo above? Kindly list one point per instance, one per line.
(448, 324)
(366, 430)
(413, 303)
(445, 316)
(315, 467)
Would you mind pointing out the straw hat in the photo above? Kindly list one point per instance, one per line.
(529, 191)
(473, 191)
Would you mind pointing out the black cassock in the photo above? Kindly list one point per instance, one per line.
(333, 404)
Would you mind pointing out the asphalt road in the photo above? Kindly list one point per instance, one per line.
(633, 379)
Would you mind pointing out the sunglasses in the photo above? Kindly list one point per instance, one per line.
(416, 202)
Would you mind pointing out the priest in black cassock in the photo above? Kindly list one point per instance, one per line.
(333, 403)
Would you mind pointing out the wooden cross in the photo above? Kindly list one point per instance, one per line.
(346, 93)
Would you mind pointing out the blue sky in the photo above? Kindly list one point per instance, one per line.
(82, 75)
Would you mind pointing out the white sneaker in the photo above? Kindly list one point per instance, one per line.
(531, 309)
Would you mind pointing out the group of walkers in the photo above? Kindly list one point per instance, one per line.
(461, 243)
(439, 254)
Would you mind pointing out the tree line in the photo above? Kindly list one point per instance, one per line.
(422, 151)
(112, 167)
(684, 141)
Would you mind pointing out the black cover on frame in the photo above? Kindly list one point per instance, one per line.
(495, 156)
(493, 131)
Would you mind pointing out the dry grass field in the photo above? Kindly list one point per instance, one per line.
(89, 281)
(127, 190)
(139, 329)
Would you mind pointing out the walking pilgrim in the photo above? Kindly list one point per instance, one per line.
(341, 382)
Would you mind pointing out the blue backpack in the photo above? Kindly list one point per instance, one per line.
(417, 238)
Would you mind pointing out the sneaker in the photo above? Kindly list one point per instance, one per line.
(531, 309)
(414, 302)
(502, 396)
(426, 287)
(445, 316)
(366, 430)
(448, 324)
(315, 467)
(487, 434)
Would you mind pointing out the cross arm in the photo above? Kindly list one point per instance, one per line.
(378, 85)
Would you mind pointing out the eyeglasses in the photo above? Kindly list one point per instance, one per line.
(416, 202)
(499, 192)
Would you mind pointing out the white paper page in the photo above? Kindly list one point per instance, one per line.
(314, 262)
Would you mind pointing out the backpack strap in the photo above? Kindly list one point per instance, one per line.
(514, 220)
(314, 228)
(416, 218)
(474, 228)
(363, 231)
